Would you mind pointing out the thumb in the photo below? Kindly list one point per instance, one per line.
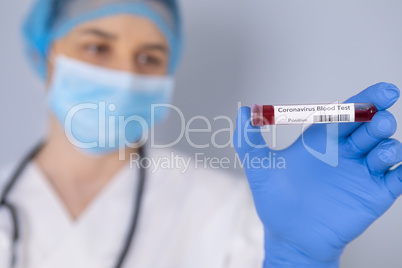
(247, 140)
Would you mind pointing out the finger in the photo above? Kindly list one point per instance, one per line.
(368, 135)
(393, 180)
(248, 139)
(382, 95)
(252, 150)
(387, 154)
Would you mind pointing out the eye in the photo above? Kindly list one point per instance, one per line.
(146, 59)
(97, 49)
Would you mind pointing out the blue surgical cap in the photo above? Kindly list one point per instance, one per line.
(50, 20)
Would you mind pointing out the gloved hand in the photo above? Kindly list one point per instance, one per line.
(312, 210)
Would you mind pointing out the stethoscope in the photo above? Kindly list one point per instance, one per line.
(13, 212)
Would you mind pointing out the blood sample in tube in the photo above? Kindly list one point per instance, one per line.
(262, 115)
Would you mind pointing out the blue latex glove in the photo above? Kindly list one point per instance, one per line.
(312, 210)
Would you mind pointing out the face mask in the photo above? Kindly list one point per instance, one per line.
(102, 110)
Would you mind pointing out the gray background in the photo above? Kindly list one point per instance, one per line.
(254, 51)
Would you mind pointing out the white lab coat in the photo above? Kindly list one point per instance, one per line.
(200, 219)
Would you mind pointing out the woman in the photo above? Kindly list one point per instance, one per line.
(81, 198)
(81, 202)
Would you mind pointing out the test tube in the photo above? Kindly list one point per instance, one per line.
(262, 115)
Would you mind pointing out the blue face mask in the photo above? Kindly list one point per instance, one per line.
(102, 110)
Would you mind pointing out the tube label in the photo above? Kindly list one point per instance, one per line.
(315, 113)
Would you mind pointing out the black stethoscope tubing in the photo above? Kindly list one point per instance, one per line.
(13, 212)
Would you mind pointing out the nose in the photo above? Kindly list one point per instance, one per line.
(125, 63)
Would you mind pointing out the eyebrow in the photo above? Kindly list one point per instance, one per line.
(99, 33)
(111, 36)
(159, 47)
